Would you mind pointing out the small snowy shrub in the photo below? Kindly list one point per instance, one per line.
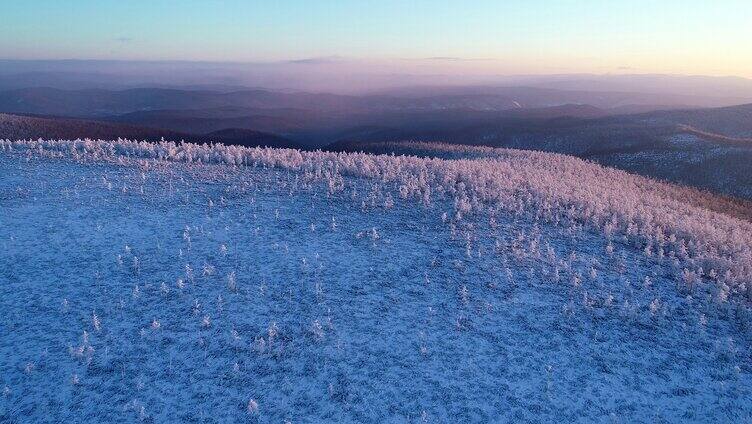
(96, 322)
(232, 284)
(252, 407)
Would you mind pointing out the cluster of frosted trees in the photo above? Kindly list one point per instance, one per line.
(703, 235)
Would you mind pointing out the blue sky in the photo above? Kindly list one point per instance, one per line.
(690, 36)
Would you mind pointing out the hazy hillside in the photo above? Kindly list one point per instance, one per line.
(732, 121)
(17, 127)
(577, 129)
(279, 121)
(246, 137)
(729, 87)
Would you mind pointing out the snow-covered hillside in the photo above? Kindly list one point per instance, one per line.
(172, 282)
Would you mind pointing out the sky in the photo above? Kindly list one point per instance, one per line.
(472, 37)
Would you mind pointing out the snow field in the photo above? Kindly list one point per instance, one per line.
(137, 289)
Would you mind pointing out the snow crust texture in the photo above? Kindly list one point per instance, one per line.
(164, 282)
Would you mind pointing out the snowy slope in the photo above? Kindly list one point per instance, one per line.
(164, 282)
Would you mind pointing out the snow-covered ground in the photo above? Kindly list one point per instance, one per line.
(137, 287)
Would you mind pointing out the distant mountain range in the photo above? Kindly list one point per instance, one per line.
(344, 75)
(660, 135)
(101, 103)
(472, 114)
(317, 119)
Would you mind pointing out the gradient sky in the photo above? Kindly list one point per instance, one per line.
(688, 37)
